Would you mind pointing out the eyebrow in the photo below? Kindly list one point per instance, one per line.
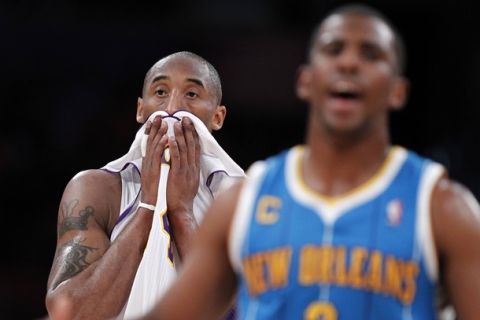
(363, 43)
(162, 77)
(158, 78)
(196, 81)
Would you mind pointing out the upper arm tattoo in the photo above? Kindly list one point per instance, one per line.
(74, 259)
(70, 222)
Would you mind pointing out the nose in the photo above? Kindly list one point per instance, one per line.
(174, 103)
(349, 61)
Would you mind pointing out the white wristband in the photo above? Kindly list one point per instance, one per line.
(146, 206)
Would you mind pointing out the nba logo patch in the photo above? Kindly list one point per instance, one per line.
(394, 212)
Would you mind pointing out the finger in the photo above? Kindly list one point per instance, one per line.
(192, 141)
(148, 126)
(174, 155)
(188, 130)
(158, 134)
(182, 148)
(159, 145)
(164, 128)
(198, 150)
(153, 134)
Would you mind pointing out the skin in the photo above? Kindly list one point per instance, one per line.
(90, 274)
(347, 141)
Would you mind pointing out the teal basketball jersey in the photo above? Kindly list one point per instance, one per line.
(368, 254)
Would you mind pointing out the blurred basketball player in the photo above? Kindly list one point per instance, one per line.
(346, 226)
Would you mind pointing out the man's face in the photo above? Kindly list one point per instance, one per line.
(181, 83)
(352, 79)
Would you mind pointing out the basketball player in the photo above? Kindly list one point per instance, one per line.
(105, 217)
(346, 226)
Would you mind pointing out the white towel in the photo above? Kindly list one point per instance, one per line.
(156, 271)
(210, 149)
(216, 166)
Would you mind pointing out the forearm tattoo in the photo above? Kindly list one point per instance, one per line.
(70, 222)
(74, 256)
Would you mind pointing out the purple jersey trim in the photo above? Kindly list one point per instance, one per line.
(123, 168)
(209, 180)
(172, 116)
(127, 211)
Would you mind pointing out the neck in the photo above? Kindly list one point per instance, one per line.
(336, 163)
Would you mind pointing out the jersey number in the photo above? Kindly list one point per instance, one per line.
(320, 311)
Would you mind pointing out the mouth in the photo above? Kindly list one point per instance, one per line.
(345, 91)
(345, 95)
(345, 99)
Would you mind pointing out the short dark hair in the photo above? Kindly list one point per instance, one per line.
(214, 76)
(364, 10)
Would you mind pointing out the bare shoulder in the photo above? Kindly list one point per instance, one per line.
(456, 228)
(97, 179)
(455, 215)
(98, 190)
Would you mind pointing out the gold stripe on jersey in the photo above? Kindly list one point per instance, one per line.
(335, 199)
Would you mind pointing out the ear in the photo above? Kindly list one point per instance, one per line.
(399, 93)
(218, 118)
(304, 78)
(140, 118)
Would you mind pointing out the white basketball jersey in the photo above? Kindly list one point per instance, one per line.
(158, 266)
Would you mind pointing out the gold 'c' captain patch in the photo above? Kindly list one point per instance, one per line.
(268, 209)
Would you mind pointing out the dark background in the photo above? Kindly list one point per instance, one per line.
(71, 73)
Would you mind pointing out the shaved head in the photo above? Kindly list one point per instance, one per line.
(214, 78)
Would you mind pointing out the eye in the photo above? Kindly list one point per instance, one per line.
(371, 52)
(333, 48)
(160, 92)
(191, 94)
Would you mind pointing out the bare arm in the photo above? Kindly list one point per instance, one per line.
(94, 276)
(456, 228)
(90, 275)
(206, 284)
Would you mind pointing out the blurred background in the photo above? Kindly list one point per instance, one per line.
(71, 72)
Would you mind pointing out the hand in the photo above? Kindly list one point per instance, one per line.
(184, 175)
(151, 163)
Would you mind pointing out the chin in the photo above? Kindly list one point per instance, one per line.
(347, 128)
(344, 125)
